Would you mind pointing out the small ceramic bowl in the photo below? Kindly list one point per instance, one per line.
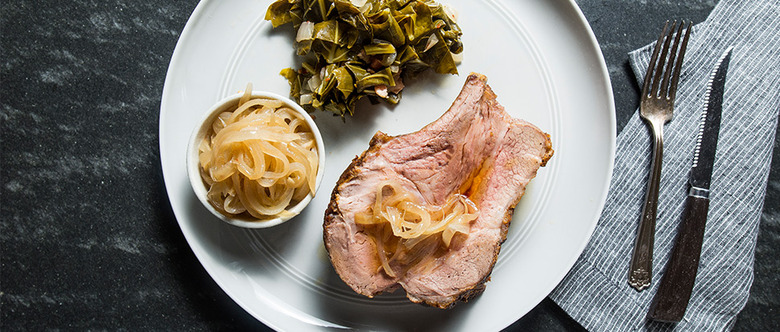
(193, 168)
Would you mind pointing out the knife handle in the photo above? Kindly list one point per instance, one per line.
(676, 285)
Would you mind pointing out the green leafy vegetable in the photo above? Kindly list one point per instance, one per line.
(356, 48)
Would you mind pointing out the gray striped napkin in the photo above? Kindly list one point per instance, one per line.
(596, 292)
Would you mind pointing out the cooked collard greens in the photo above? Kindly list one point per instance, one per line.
(356, 48)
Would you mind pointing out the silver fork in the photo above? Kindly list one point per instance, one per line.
(657, 103)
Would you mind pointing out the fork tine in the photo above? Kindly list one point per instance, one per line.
(670, 65)
(651, 66)
(661, 61)
(678, 67)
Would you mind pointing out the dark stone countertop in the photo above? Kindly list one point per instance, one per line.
(87, 237)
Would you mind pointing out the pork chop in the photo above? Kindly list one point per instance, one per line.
(475, 149)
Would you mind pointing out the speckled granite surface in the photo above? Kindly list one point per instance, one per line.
(87, 238)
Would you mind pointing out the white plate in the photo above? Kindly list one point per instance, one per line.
(540, 58)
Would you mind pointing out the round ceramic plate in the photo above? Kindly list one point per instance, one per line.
(544, 64)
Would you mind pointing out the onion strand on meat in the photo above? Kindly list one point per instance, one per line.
(411, 224)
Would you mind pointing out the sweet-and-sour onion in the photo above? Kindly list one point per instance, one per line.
(415, 230)
(260, 158)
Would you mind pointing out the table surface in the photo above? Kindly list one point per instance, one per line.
(87, 237)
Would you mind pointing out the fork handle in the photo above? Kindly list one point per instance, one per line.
(641, 269)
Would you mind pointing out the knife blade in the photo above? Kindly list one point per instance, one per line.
(674, 291)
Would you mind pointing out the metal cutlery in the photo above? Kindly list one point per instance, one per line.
(674, 292)
(656, 108)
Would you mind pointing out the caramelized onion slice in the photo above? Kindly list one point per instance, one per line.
(412, 223)
(259, 159)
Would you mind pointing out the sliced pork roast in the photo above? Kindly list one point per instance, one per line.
(474, 155)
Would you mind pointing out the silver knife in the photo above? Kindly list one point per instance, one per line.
(676, 285)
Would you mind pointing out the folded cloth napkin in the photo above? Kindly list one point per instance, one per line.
(596, 292)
